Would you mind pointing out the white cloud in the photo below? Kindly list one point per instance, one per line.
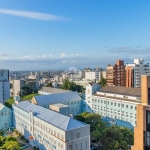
(3, 55)
(64, 55)
(32, 15)
(35, 57)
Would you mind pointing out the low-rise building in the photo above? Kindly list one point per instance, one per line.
(72, 99)
(116, 103)
(50, 130)
(83, 82)
(5, 117)
(61, 108)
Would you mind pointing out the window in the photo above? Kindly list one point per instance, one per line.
(1, 113)
(126, 106)
(70, 147)
(111, 103)
(101, 101)
(51, 131)
(118, 105)
(62, 137)
(135, 107)
(122, 105)
(131, 107)
(86, 144)
(104, 102)
(78, 135)
(114, 104)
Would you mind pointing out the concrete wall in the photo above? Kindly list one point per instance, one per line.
(78, 138)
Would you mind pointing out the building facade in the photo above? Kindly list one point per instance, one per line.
(5, 117)
(72, 99)
(33, 82)
(17, 87)
(115, 75)
(117, 104)
(49, 130)
(142, 130)
(110, 76)
(4, 85)
(94, 75)
(134, 72)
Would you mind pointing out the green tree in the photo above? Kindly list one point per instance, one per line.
(11, 145)
(108, 137)
(28, 97)
(67, 85)
(102, 80)
(26, 91)
(49, 85)
(9, 103)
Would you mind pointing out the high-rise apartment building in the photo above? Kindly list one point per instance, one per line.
(142, 130)
(115, 75)
(110, 75)
(134, 72)
(4, 85)
(17, 87)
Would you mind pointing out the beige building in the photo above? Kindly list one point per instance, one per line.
(17, 87)
(142, 130)
(83, 82)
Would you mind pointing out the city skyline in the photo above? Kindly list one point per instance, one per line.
(58, 35)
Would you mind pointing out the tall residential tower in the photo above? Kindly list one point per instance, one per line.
(4, 85)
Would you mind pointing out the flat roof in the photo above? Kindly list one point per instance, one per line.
(122, 90)
(53, 90)
(59, 105)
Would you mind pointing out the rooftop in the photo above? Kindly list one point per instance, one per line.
(1, 106)
(52, 117)
(57, 98)
(53, 90)
(122, 90)
(59, 105)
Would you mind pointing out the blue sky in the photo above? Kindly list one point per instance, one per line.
(57, 34)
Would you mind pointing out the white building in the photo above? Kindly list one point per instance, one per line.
(4, 85)
(72, 99)
(49, 130)
(94, 75)
(83, 82)
(17, 87)
(114, 103)
(138, 69)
